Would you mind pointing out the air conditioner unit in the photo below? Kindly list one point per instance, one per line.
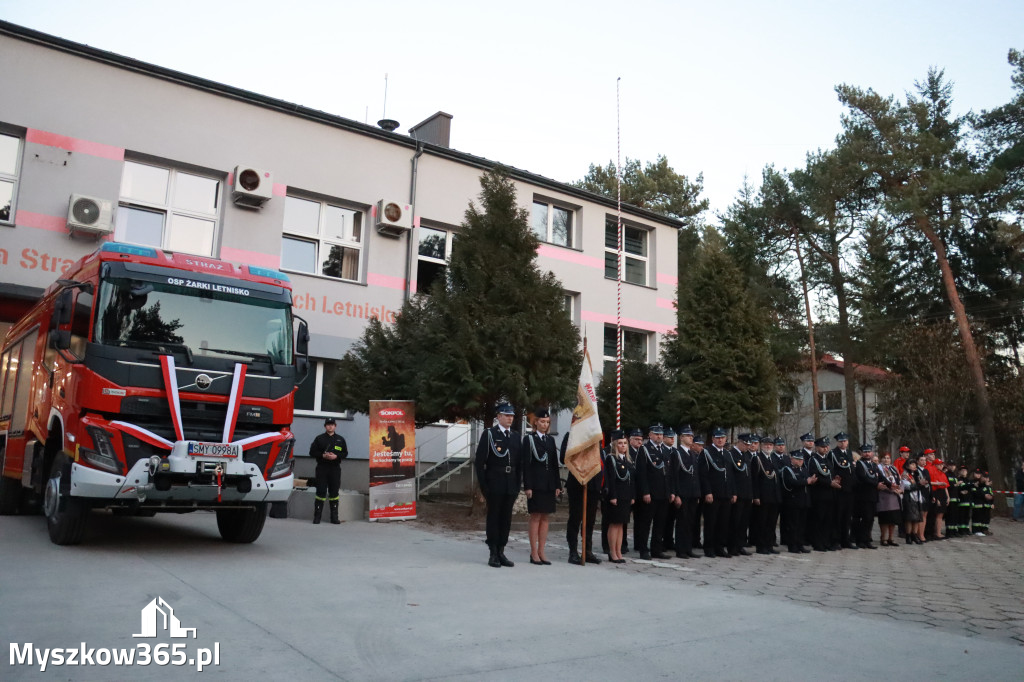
(253, 187)
(394, 218)
(90, 215)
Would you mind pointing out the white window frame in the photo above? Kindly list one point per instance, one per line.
(571, 305)
(169, 210)
(645, 259)
(550, 207)
(12, 178)
(449, 238)
(316, 369)
(323, 242)
(823, 401)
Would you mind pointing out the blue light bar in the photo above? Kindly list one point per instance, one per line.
(117, 247)
(267, 272)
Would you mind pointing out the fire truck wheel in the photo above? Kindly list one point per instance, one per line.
(10, 492)
(66, 525)
(241, 525)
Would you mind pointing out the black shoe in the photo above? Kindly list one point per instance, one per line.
(545, 562)
(592, 558)
(618, 561)
(773, 550)
(869, 546)
(536, 563)
(646, 556)
(574, 558)
(493, 561)
(741, 552)
(796, 550)
(910, 540)
(723, 554)
(659, 555)
(503, 560)
(805, 550)
(763, 551)
(693, 555)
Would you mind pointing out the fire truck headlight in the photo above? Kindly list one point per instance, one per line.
(283, 464)
(103, 457)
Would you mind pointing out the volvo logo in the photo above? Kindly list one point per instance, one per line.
(203, 382)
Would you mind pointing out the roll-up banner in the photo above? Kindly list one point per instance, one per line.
(392, 459)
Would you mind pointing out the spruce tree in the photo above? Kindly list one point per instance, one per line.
(493, 329)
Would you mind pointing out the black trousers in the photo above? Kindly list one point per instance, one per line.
(764, 531)
(682, 519)
(716, 525)
(328, 481)
(695, 533)
(739, 522)
(499, 518)
(819, 520)
(863, 520)
(754, 524)
(794, 527)
(784, 511)
(649, 526)
(572, 529)
(843, 518)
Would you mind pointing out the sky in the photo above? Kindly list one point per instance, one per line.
(720, 88)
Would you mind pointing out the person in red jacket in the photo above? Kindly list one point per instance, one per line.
(940, 496)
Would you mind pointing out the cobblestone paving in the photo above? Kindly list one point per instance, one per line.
(971, 585)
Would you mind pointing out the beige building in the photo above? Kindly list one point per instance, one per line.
(359, 217)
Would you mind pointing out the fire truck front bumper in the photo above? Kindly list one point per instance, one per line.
(183, 478)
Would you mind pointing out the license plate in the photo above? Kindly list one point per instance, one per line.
(214, 449)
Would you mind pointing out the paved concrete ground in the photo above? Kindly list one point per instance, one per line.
(393, 601)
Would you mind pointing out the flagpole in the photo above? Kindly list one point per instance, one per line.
(618, 278)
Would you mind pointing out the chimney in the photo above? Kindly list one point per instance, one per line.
(436, 129)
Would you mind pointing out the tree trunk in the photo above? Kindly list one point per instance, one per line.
(846, 343)
(988, 427)
(810, 338)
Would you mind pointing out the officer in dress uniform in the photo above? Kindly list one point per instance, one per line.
(796, 479)
(668, 449)
(780, 458)
(652, 496)
(842, 469)
(753, 447)
(686, 488)
(577, 517)
(822, 492)
(718, 489)
(865, 496)
(498, 462)
(739, 515)
(698, 454)
(619, 490)
(541, 482)
(328, 449)
(769, 495)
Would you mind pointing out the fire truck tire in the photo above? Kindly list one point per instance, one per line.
(241, 525)
(66, 526)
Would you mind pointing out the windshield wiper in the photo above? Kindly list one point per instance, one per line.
(245, 354)
(162, 346)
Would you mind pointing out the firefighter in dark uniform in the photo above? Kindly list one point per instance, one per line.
(668, 449)
(768, 494)
(796, 479)
(865, 496)
(822, 493)
(686, 488)
(698, 456)
(574, 491)
(498, 463)
(719, 493)
(739, 515)
(652, 497)
(780, 458)
(842, 468)
(328, 449)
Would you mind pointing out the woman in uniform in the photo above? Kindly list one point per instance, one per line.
(889, 501)
(620, 491)
(541, 483)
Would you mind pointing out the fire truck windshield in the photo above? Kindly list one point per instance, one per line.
(204, 321)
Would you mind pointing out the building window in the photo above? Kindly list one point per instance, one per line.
(552, 224)
(830, 401)
(316, 394)
(322, 238)
(434, 250)
(10, 155)
(570, 305)
(168, 209)
(787, 405)
(635, 250)
(634, 347)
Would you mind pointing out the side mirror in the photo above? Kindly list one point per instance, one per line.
(302, 368)
(62, 309)
(302, 339)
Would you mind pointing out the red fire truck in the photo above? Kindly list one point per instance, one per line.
(146, 381)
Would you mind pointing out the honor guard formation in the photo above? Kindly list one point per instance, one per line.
(686, 498)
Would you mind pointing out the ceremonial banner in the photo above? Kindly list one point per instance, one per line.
(583, 451)
(392, 459)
